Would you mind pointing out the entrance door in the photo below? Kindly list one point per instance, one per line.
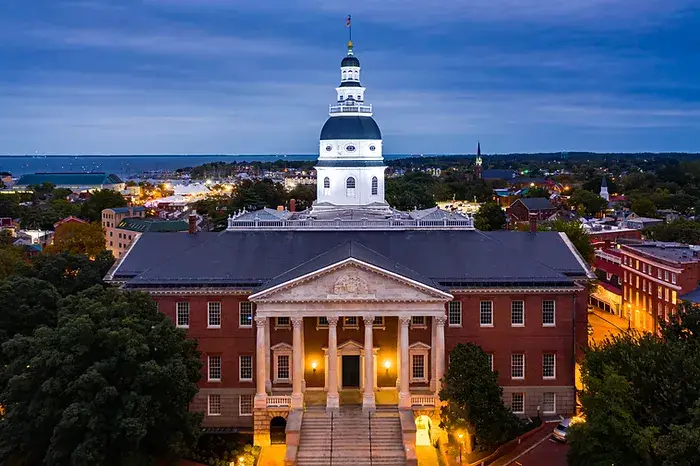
(351, 371)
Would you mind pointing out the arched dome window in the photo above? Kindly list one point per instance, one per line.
(375, 186)
(327, 186)
(350, 187)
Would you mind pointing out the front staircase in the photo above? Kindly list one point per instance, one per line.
(351, 437)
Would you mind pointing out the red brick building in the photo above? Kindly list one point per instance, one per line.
(521, 209)
(655, 276)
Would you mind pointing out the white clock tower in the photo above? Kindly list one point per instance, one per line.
(350, 168)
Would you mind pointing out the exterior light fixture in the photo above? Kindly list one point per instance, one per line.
(387, 365)
(313, 366)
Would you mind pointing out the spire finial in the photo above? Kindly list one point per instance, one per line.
(348, 24)
(478, 148)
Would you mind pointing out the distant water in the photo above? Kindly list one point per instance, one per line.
(133, 165)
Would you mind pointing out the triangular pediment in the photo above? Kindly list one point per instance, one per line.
(351, 280)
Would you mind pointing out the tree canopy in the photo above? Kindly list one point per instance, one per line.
(78, 238)
(641, 398)
(576, 234)
(587, 202)
(414, 190)
(101, 199)
(475, 400)
(109, 384)
(490, 217)
(681, 230)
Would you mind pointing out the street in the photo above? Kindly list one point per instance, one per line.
(549, 453)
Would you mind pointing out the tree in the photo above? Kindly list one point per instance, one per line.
(640, 397)
(411, 191)
(101, 199)
(254, 195)
(305, 195)
(27, 303)
(537, 191)
(475, 400)
(490, 217)
(110, 384)
(681, 230)
(78, 238)
(72, 273)
(576, 234)
(587, 202)
(643, 206)
(13, 261)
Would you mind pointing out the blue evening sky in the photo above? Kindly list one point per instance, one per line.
(247, 76)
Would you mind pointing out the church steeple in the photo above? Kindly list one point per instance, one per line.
(478, 169)
(604, 189)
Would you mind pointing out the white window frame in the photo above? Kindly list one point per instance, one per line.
(512, 310)
(554, 403)
(375, 186)
(209, 313)
(554, 313)
(240, 368)
(554, 367)
(454, 308)
(320, 324)
(512, 402)
(420, 323)
(350, 191)
(240, 404)
(512, 366)
(326, 186)
(279, 325)
(355, 325)
(665, 275)
(660, 290)
(486, 309)
(282, 349)
(209, 404)
(422, 350)
(209, 367)
(674, 278)
(249, 308)
(186, 308)
(378, 322)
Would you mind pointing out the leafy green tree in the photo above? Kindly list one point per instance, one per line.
(643, 206)
(587, 202)
(72, 273)
(254, 195)
(111, 385)
(411, 191)
(576, 234)
(537, 191)
(681, 230)
(78, 238)
(474, 400)
(490, 217)
(91, 209)
(13, 261)
(305, 195)
(27, 303)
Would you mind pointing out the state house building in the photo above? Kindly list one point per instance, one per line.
(354, 302)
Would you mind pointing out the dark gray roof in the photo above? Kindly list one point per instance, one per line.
(536, 203)
(350, 60)
(350, 163)
(350, 127)
(450, 258)
(672, 252)
(350, 84)
(494, 174)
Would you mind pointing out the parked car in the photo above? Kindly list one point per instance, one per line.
(559, 432)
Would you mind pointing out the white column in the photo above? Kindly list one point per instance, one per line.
(433, 359)
(260, 393)
(439, 351)
(404, 388)
(268, 382)
(368, 402)
(332, 398)
(297, 394)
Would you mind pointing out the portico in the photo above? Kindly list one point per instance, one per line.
(356, 317)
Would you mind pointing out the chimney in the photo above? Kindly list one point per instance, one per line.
(192, 224)
(533, 222)
(131, 210)
(292, 205)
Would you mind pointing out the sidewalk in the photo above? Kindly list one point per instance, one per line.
(605, 325)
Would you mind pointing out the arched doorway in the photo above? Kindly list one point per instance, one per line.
(278, 426)
(423, 425)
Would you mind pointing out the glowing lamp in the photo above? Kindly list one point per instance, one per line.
(313, 366)
(387, 365)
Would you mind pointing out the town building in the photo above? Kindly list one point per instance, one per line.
(117, 240)
(655, 276)
(638, 222)
(524, 208)
(352, 302)
(604, 189)
(75, 181)
(69, 219)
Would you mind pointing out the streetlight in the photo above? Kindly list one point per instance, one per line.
(460, 435)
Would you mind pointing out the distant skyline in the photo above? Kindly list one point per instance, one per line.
(235, 77)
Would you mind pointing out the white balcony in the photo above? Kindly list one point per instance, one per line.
(422, 400)
(279, 401)
(333, 109)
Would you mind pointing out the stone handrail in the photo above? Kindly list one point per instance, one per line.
(339, 224)
(422, 400)
(279, 401)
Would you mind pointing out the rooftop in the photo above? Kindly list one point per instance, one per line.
(152, 225)
(536, 203)
(126, 210)
(69, 179)
(672, 252)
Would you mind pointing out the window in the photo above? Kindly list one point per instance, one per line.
(673, 297)
(517, 402)
(673, 278)
(517, 313)
(625, 290)
(517, 366)
(246, 372)
(326, 186)
(283, 367)
(418, 368)
(644, 268)
(214, 315)
(636, 264)
(625, 272)
(666, 294)
(644, 285)
(375, 186)
(245, 314)
(378, 321)
(549, 403)
(548, 313)
(214, 368)
(666, 275)
(661, 291)
(418, 321)
(245, 405)
(486, 313)
(350, 187)
(322, 322)
(350, 322)
(658, 273)
(283, 322)
(650, 270)
(490, 356)
(637, 278)
(549, 365)
(183, 315)
(454, 310)
(214, 404)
